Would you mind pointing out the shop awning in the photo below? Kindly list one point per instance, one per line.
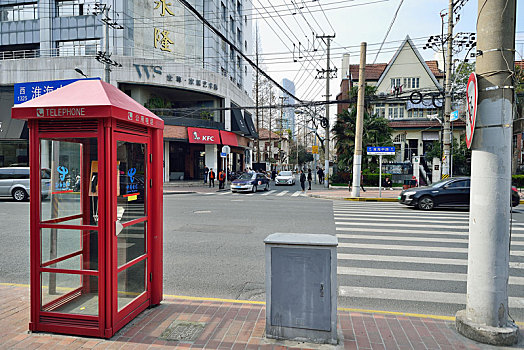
(200, 135)
(228, 138)
(250, 124)
(237, 121)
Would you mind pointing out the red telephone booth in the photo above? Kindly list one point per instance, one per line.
(96, 208)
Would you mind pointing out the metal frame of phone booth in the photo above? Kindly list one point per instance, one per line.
(96, 222)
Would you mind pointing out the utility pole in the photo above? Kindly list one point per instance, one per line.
(105, 57)
(486, 317)
(357, 157)
(107, 68)
(328, 71)
(282, 98)
(270, 117)
(447, 90)
(256, 98)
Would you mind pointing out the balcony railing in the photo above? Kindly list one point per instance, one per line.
(36, 53)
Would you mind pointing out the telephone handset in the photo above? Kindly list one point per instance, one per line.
(94, 183)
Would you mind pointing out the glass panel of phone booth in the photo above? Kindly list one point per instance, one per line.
(69, 257)
(131, 226)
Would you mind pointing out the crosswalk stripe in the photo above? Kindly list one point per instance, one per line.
(414, 259)
(405, 231)
(406, 225)
(416, 217)
(423, 275)
(223, 193)
(414, 295)
(394, 212)
(297, 193)
(409, 239)
(250, 194)
(338, 217)
(282, 193)
(413, 248)
(268, 193)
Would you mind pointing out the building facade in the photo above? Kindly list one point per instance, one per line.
(288, 119)
(165, 58)
(407, 90)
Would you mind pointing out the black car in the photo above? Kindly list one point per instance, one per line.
(453, 192)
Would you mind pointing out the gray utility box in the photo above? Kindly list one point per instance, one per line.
(301, 287)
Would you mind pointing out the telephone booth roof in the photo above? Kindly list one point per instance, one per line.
(87, 99)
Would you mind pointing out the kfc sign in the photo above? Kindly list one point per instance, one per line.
(200, 135)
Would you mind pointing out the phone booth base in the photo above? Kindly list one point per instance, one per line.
(95, 209)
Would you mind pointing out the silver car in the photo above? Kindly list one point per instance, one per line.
(14, 182)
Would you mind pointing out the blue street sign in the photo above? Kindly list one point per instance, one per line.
(454, 116)
(30, 90)
(223, 154)
(390, 150)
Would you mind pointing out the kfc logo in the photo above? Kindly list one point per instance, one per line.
(195, 136)
(208, 138)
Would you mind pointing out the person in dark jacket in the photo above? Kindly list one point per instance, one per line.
(302, 180)
(206, 174)
(211, 177)
(309, 178)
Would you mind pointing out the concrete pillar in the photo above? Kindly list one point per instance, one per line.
(166, 161)
(46, 12)
(227, 113)
(211, 157)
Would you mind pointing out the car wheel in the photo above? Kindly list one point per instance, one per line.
(19, 194)
(426, 203)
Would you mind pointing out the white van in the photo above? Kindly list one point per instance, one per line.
(14, 182)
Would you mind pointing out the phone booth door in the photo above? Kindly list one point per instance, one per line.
(67, 262)
(130, 242)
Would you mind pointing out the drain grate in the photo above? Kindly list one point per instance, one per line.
(183, 331)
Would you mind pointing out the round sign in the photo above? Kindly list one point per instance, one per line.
(471, 111)
(226, 149)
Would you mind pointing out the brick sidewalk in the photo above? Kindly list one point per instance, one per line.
(229, 325)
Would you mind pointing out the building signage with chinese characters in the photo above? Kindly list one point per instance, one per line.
(152, 72)
(381, 151)
(30, 90)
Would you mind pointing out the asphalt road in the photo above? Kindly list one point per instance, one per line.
(390, 257)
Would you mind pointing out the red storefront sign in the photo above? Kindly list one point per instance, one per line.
(200, 135)
(228, 138)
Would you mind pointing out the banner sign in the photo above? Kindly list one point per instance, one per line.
(30, 90)
(381, 151)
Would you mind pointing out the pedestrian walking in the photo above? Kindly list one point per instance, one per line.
(320, 174)
(206, 174)
(302, 180)
(362, 182)
(211, 177)
(221, 179)
(388, 184)
(309, 178)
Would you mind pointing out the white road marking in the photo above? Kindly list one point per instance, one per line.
(282, 193)
(423, 275)
(339, 217)
(296, 194)
(268, 193)
(391, 230)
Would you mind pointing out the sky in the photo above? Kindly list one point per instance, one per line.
(352, 22)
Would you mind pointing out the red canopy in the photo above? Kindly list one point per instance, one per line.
(228, 138)
(87, 99)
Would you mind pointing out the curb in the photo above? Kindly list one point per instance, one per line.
(364, 199)
(179, 192)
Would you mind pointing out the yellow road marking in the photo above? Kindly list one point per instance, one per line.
(185, 297)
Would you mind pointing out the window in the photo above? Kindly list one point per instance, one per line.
(232, 21)
(23, 12)
(380, 112)
(68, 8)
(411, 83)
(223, 11)
(239, 37)
(457, 184)
(395, 82)
(78, 47)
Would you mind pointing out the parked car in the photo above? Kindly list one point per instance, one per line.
(453, 192)
(250, 182)
(14, 182)
(285, 177)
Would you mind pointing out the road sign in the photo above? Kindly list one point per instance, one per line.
(30, 90)
(314, 149)
(471, 111)
(223, 154)
(226, 150)
(454, 116)
(381, 151)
